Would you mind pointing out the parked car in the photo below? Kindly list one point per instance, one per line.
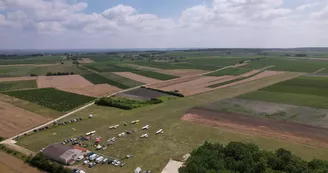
(86, 162)
(92, 164)
(105, 161)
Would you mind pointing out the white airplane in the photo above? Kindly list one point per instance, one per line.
(159, 131)
(144, 135)
(145, 127)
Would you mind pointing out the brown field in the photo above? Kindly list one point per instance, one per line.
(15, 120)
(86, 60)
(300, 133)
(68, 81)
(137, 77)
(11, 164)
(182, 72)
(198, 84)
(8, 79)
(93, 90)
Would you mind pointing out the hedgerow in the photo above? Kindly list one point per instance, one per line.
(124, 103)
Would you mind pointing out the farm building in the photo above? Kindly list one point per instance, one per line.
(62, 153)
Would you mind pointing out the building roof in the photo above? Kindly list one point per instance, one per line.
(56, 150)
(80, 148)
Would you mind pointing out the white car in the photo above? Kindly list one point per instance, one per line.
(86, 162)
(99, 159)
(80, 158)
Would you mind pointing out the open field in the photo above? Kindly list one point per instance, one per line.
(199, 84)
(11, 164)
(141, 94)
(302, 91)
(271, 110)
(16, 85)
(230, 71)
(98, 79)
(305, 134)
(123, 80)
(93, 90)
(32, 107)
(155, 75)
(85, 60)
(52, 98)
(15, 120)
(67, 81)
(179, 137)
(107, 67)
(9, 79)
(293, 65)
(137, 77)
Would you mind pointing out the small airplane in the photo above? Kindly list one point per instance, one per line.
(144, 135)
(145, 127)
(159, 131)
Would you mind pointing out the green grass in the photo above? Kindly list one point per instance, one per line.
(302, 91)
(293, 65)
(15, 85)
(233, 80)
(98, 79)
(230, 71)
(154, 75)
(179, 137)
(108, 67)
(52, 98)
(125, 81)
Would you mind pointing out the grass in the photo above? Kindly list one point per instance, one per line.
(233, 80)
(108, 67)
(230, 71)
(15, 85)
(154, 75)
(98, 79)
(179, 137)
(302, 91)
(52, 98)
(125, 81)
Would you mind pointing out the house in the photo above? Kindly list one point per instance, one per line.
(61, 153)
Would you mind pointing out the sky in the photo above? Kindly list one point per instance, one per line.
(115, 24)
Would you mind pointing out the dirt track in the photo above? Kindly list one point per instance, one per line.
(15, 120)
(305, 134)
(8, 79)
(11, 164)
(136, 77)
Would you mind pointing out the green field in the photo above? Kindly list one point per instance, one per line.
(39, 70)
(108, 67)
(98, 79)
(16, 85)
(154, 75)
(293, 65)
(302, 91)
(125, 81)
(32, 60)
(179, 137)
(52, 98)
(230, 71)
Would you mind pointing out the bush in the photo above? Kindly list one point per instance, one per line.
(33, 75)
(247, 158)
(174, 93)
(59, 73)
(13, 152)
(124, 103)
(43, 163)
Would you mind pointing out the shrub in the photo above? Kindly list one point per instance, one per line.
(124, 103)
(247, 158)
(174, 93)
(43, 163)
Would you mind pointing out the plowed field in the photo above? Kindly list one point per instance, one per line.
(93, 90)
(69, 81)
(15, 120)
(137, 77)
(294, 132)
(11, 164)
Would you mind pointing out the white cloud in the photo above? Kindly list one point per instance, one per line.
(222, 23)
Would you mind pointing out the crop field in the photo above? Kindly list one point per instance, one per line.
(155, 75)
(302, 91)
(98, 79)
(52, 98)
(108, 67)
(179, 137)
(230, 71)
(123, 80)
(293, 65)
(139, 78)
(273, 111)
(16, 85)
(141, 94)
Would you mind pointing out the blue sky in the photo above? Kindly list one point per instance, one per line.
(61, 24)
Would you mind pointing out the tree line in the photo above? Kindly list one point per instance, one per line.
(237, 157)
